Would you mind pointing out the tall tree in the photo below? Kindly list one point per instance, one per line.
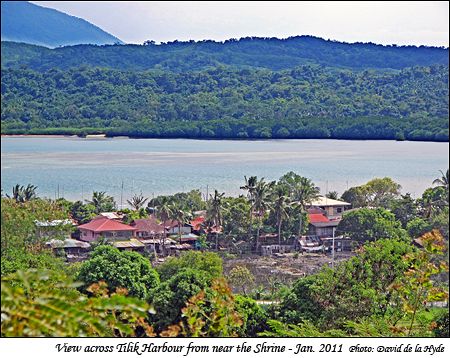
(164, 212)
(280, 206)
(137, 201)
(304, 193)
(180, 216)
(261, 202)
(249, 186)
(214, 212)
(102, 202)
(21, 194)
(442, 182)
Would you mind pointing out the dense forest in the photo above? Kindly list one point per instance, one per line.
(270, 53)
(309, 101)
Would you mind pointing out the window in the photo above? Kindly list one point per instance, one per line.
(339, 210)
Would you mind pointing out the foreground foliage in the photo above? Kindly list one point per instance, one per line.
(34, 306)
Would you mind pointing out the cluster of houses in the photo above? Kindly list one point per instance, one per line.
(140, 235)
(171, 237)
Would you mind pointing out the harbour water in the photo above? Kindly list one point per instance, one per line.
(73, 167)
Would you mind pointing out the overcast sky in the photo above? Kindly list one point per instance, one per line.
(402, 23)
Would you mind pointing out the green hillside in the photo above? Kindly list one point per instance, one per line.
(270, 53)
(309, 101)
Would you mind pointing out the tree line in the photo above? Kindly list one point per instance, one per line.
(309, 101)
(181, 56)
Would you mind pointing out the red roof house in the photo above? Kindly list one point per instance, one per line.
(107, 228)
(317, 218)
(148, 228)
(320, 225)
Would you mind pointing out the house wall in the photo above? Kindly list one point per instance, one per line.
(333, 210)
(88, 235)
(184, 230)
(320, 231)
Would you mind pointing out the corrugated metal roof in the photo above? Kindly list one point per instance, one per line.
(67, 243)
(53, 223)
(132, 243)
(324, 201)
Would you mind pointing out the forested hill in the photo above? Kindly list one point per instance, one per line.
(309, 101)
(270, 53)
(25, 22)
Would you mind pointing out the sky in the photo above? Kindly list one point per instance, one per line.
(382, 22)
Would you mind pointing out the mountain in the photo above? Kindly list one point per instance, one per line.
(270, 53)
(22, 21)
(299, 87)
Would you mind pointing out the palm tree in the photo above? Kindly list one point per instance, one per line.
(102, 202)
(164, 212)
(304, 193)
(332, 195)
(180, 216)
(22, 195)
(250, 185)
(442, 181)
(137, 201)
(280, 206)
(29, 192)
(214, 212)
(261, 202)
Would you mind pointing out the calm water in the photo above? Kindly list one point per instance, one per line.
(165, 166)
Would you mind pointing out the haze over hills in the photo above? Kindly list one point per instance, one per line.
(22, 21)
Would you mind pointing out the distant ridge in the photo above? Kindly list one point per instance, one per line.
(271, 53)
(22, 21)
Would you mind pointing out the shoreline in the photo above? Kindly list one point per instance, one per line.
(103, 136)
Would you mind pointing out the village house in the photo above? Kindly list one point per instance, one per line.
(332, 209)
(148, 228)
(73, 250)
(324, 215)
(320, 225)
(172, 227)
(106, 228)
(129, 245)
(54, 229)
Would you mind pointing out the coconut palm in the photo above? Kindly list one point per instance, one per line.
(280, 206)
(304, 193)
(102, 202)
(137, 201)
(22, 195)
(249, 186)
(261, 202)
(214, 212)
(164, 212)
(180, 216)
(442, 181)
(332, 195)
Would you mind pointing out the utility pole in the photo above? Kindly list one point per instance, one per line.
(121, 197)
(332, 261)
